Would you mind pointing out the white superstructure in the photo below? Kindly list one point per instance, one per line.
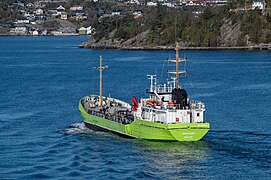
(168, 103)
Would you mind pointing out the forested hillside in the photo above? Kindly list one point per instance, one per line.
(216, 27)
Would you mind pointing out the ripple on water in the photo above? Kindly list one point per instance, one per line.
(252, 147)
(263, 86)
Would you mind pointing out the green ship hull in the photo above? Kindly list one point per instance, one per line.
(148, 130)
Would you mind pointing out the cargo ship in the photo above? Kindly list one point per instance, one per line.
(166, 115)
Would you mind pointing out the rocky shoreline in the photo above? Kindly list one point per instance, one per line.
(138, 43)
(171, 47)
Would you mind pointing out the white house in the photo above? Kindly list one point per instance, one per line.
(35, 33)
(199, 3)
(60, 9)
(39, 4)
(56, 33)
(116, 13)
(39, 12)
(81, 17)
(23, 21)
(27, 14)
(30, 5)
(19, 30)
(63, 16)
(44, 32)
(76, 8)
(19, 3)
(89, 30)
(82, 31)
(138, 13)
(260, 4)
(151, 4)
(133, 2)
(168, 4)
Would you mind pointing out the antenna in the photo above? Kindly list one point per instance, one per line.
(177, 65)
(176, 28)
(152, 78)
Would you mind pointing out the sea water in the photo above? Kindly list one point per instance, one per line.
(42, 135)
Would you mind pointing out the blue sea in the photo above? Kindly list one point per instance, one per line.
(42, 135)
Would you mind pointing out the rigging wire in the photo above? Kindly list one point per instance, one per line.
(156, 75)
(162, 70)
(92, 80)
(168, 65)
(193, 88)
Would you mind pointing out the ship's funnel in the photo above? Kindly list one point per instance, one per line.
(179, 97)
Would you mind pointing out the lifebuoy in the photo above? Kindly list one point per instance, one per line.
(170, 103)
(151, 102)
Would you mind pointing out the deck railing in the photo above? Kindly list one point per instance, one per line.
(196, 105)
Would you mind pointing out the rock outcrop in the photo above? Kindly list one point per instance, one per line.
(229, 34)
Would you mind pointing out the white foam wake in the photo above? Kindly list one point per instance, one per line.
(77, 128)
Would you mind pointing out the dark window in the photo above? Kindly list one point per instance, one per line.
(198, 114)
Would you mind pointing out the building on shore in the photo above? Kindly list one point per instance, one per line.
(89, 30)
(82, 31)
(19, 30)
(260, 4)
(60, 10)
(35, 33)
(64, 16)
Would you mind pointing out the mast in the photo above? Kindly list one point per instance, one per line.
(177, 71)
(177, 65)
(100, 68)
(101, 81)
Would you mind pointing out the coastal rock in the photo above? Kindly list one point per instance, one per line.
(229, 34)
(135, 43)
(109, 43)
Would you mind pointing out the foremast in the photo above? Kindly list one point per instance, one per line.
(101, 68)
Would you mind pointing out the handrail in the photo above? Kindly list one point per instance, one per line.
(112, 99)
